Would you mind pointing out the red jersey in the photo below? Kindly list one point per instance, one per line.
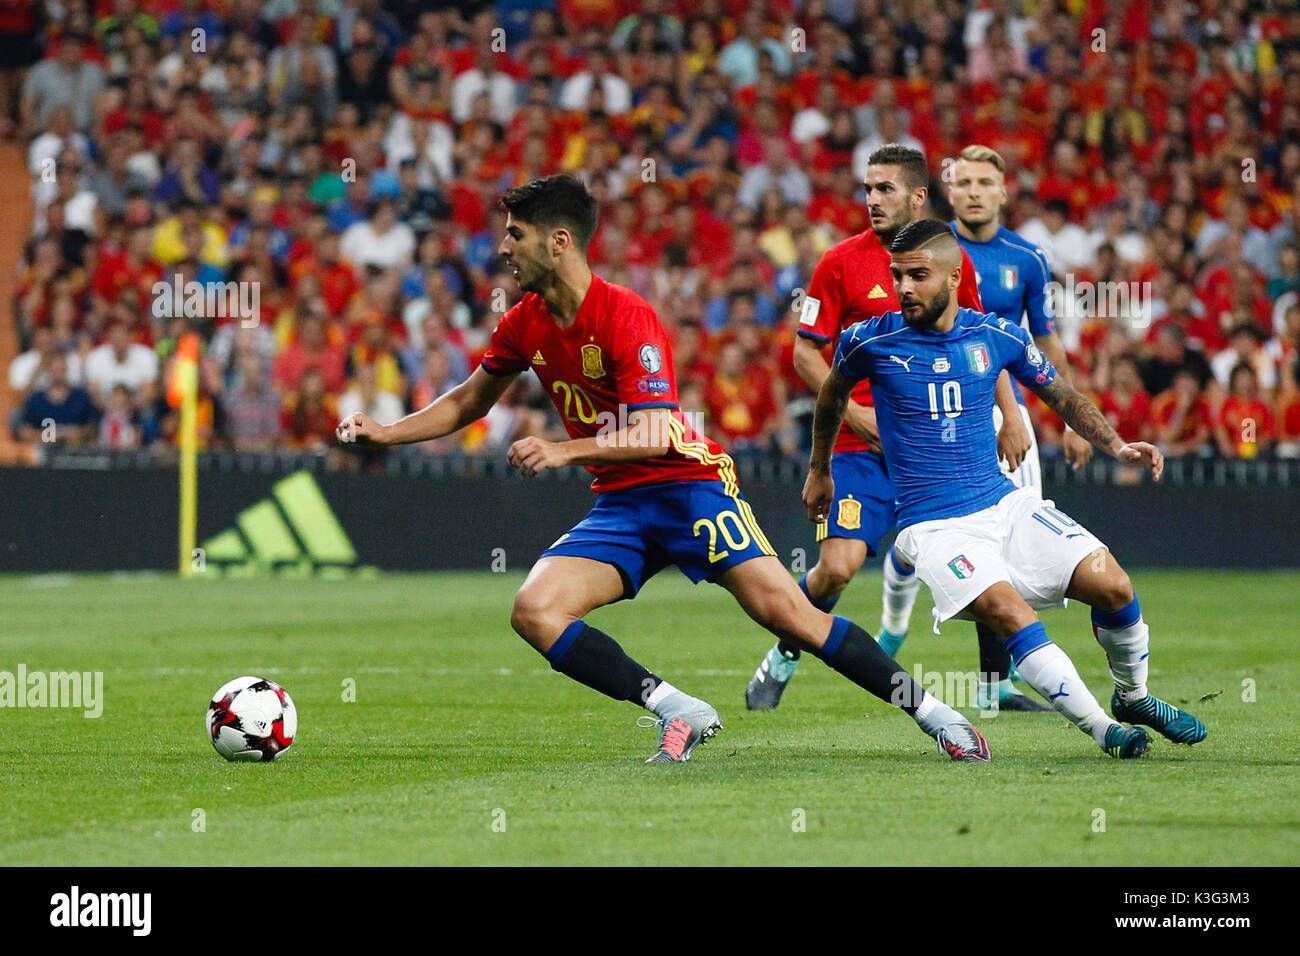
(1289, 420)
(741, 407)
(1246, 422)
(1130, 421)
(616, 355)
(1187, 424)
(852, 283)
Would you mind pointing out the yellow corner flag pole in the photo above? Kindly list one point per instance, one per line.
(183, 391)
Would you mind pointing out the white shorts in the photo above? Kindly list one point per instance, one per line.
(1030, 472)
(1022, 540)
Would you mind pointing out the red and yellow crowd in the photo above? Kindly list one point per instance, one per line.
(339, 164)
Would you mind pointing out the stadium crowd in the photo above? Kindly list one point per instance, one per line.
(345, 158)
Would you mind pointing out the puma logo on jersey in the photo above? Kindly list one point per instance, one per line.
(902, 362)
(877, 292)
(537, 358)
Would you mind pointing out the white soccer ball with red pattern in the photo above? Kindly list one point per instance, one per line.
(252, 718)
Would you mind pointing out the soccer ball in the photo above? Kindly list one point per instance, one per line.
(252, 718)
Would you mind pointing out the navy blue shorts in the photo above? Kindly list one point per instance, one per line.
(703, 527)
(864, 499)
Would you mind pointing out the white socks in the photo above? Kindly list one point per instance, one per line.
(1127, 650)
(899, 597)
(1050, 672)
(932, 715)
(923, 709)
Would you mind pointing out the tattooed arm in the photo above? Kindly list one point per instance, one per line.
(1086, 419)
(832, 400)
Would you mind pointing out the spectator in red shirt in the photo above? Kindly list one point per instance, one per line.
(825, 68)
(1180, 417)
(338, 279)
(1220, 79)
(1185, 312)
(839, 206)
(691, 352)
(1126, 405)
(1245, 426)
(137, 110)
(310, 414)
(121, 269)
(1067, 180)
(716, 169)
(741, 402)
(1288, 425)
(308, 352)
(1022, 146)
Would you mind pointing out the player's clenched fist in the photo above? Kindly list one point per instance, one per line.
(360, 427)
(1144, 455)
(534, 455)
(818, 493)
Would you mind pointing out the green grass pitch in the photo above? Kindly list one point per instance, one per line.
(463, 747)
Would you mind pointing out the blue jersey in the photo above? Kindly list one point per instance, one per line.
(934, 397)
(1013, 277)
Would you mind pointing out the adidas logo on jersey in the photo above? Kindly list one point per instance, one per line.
(537, 358)
(877, 292)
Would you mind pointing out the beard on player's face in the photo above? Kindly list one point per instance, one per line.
(922, 312)
(887, 228)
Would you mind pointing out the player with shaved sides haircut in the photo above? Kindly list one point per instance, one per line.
(852, 283)
(987, 550)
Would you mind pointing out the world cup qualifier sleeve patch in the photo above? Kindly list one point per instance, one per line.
(651, 358)
(961, 566)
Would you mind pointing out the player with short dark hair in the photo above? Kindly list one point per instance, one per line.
(552, 202)
(986, 549)
(852, 284)
(665, 493)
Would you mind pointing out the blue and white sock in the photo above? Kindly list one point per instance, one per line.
(1050, 671)
(1127, 642)
(899, 597)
